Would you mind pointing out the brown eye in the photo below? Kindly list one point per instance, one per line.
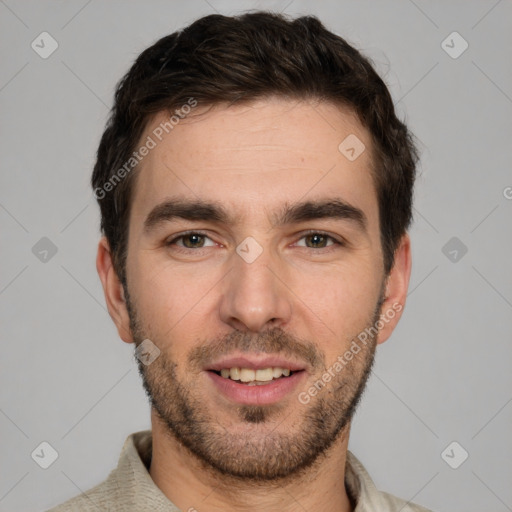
(191, 240)
(316, 241)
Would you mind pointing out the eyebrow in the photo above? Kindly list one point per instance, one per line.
(199, 210)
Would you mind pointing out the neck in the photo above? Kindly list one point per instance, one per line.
(193, 486)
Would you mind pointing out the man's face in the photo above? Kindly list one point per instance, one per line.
(271, 259)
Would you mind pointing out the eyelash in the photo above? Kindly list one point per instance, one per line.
(335, 241)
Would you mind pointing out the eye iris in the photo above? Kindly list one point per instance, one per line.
(196, 240)
(193, 240)
(317, 240)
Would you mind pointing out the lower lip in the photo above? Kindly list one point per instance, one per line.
(263, 394)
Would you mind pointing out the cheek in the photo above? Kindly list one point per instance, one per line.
(340, 305)
(173, 305)
(340, 293)
(164, 291)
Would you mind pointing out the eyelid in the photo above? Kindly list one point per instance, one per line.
(337, 240)
(179, 236)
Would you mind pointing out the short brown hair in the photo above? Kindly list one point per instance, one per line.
(221, 59)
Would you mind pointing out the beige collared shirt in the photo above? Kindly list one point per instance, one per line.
(129, 487)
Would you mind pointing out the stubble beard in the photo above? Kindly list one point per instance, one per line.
(261, 451)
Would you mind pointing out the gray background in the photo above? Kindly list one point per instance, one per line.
(445, 374)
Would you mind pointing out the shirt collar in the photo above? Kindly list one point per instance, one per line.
(136, 486)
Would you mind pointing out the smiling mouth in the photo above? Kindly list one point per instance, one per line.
(258, 377)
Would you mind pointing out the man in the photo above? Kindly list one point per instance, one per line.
(255, 191)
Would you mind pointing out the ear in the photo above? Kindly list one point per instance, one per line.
(397, 284)
(113, 290)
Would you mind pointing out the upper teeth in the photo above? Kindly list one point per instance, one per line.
(248, 375)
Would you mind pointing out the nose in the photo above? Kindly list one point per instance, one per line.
(255, 296)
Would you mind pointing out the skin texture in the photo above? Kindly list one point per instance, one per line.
(304, 297)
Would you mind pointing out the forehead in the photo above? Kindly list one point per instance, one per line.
(255, 157)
